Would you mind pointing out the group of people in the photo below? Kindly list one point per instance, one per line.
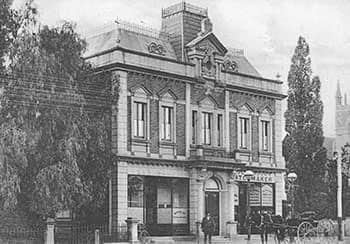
(261, 220)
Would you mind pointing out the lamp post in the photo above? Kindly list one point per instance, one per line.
(248, 174)
(292, 177)
(339, 196)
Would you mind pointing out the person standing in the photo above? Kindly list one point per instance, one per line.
(266, 221)
(208, 227)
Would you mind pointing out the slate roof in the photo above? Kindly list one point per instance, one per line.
(244, 66)
(139, 42)
(126, 39)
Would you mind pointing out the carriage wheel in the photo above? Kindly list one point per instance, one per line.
(306, 233)
(326, 231)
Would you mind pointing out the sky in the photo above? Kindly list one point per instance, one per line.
(267, 30)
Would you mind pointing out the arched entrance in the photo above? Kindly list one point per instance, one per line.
(212, 189)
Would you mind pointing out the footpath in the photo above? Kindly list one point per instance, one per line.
(255, 239)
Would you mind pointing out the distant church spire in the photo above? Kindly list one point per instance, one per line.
(338, 96)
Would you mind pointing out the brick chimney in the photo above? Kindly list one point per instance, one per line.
(183, 21)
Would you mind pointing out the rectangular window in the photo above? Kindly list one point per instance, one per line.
(139, 119)
(265, 135)
(167, 123)
(220, 130)
(207, 128)
(244, 132)
(194, 127)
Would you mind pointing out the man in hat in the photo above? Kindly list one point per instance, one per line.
(208, 227)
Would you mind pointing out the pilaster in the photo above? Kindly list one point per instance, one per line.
(227, 122)
(122, 192)
(120, 114)
(196, 200)
(188, 116)
(280, 194)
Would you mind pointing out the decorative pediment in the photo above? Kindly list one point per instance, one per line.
(246, 108)
(266, 111)
(208, 101)
(208, 40)
(140, 91)
(167, 95)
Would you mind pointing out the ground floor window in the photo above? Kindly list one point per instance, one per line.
(160, 203)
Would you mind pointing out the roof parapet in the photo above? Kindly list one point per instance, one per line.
(183, 6)
(129, 26)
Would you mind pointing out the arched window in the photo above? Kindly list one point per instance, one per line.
(212, 185)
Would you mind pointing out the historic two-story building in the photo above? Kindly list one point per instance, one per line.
(191, 117)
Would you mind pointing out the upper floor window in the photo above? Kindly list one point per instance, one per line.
(167, 123)
(194, 127)
(139, 119)
(244, 132)
(207, 127)
(265, 135)
(219, 130)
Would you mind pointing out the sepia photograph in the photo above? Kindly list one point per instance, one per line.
(174, 122)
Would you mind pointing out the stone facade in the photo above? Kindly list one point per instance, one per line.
(186, 127)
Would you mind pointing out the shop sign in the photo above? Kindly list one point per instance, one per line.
(254, 196)
(267, 195)
(258, 177)
(180, 215)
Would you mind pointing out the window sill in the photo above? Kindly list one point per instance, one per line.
(265, 153)
(167, 143)
(140, 140)
(204, 146)
(243, 150)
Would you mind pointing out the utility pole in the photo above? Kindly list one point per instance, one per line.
(337, 157)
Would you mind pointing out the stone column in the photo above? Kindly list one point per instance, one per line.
(196, 199)
(97, 236)
(50, 231)
(201, 199)
(122, 192)
(201, 202)
(132, 230)
(279, 193)
(231, 224)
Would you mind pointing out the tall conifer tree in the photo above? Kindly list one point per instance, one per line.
(303, 145)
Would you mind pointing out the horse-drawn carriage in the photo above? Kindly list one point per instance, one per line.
(306, 228)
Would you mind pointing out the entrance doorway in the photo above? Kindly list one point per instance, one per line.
(212, 206)
(212, 202)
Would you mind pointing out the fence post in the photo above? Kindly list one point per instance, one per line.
(50, 231)
(132, 229)
(97, 236)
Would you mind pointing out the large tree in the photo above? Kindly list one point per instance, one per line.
(8, 28)
(55, 136)
(303, 145)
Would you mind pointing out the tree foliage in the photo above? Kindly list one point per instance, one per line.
(8, 29)
(54, 148)
(303, 145)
